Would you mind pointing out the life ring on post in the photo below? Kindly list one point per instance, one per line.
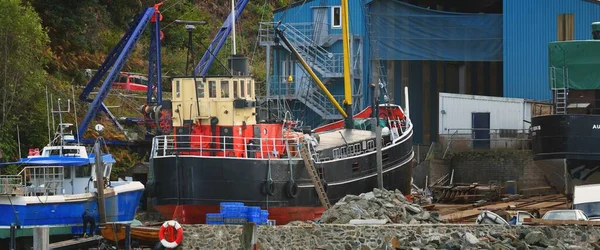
(178, 229)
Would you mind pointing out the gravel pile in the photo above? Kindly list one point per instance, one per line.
(379, 204)
(525, 239)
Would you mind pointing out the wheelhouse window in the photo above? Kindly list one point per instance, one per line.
(235, 89)
(242, 89)
(200, 90)
(224, 89)
(212, 89)
(336, 17)
(83, 171)
(249, 88)
(177, 89)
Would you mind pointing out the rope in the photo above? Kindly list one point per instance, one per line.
(14, 210)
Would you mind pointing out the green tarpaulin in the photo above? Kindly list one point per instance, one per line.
(366, 124)
(576, 63)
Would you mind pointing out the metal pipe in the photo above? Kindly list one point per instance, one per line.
(311, 73)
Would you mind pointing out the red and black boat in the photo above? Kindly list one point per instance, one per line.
(218, 152)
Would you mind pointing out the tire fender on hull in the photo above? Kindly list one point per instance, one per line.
(268, 187)
(291, 189)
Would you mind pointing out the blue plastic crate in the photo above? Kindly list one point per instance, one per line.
(234, 209)
(214, 217)
(225, 205)
(215, 223)
(253, 209)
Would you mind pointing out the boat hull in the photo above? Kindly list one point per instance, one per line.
(188, 187)
(567, 148)
(66, 210)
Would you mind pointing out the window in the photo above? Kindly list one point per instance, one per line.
(83, 171)
(67, 172)
(566, 27)
(336, 17)
(235, 89)
(212, 89)
(177, 89)
(200, 90)
(224, 89)
(249, 89)
(122, 79)
(242, 90)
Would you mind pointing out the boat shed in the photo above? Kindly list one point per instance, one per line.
(474, 47)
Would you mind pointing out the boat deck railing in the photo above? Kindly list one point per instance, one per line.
(33, 180)
(227, 146)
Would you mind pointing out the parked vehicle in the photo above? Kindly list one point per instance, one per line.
(586, 199)
(131, 82)
(566, 214)
(503, 217)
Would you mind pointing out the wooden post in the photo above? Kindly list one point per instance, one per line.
(100, 183)
(13, 229)
(249, 236)
(41, 238)
(127, 236)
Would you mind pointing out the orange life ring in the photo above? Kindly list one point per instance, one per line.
(168, 225)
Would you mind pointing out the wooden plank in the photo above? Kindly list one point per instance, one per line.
(75, 243)
(543, 205)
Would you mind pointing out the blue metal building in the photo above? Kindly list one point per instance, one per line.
(492, 47)
(528, 28)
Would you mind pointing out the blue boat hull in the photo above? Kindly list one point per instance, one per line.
(67, 210)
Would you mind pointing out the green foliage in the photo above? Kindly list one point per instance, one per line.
(23, 53)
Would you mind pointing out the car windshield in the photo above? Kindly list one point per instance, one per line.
(560, 215)
(591, 209)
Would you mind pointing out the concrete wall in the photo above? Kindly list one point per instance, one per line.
(501, 166)
(432, 236)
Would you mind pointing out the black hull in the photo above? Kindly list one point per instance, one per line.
(567, 140)
(192, 180)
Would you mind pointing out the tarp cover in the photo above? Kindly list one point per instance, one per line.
(403, 31)
(576, 63)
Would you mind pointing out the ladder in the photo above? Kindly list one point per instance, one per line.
(316, 180)
(560, 97)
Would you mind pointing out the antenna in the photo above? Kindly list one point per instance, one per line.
(48, 114)
(233, 25)
(75, 109)
(19, 140)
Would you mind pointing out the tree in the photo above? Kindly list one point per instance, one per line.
(23, 54)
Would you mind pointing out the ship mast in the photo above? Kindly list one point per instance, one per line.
(347, 79)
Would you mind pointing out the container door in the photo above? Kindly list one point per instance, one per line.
(321, 27)
(480, 123)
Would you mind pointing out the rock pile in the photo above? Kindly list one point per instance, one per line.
(525, 239)
(391, 206)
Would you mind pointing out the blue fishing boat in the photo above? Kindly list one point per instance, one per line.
(54, 188)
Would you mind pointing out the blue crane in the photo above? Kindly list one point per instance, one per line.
(215, 46)
(115, 61)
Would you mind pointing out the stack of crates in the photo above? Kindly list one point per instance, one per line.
(235, 213)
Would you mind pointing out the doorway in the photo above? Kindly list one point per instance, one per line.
(480, 124)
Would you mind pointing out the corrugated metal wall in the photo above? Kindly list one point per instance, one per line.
(426, 78)
(505, 113)
(528, 28)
